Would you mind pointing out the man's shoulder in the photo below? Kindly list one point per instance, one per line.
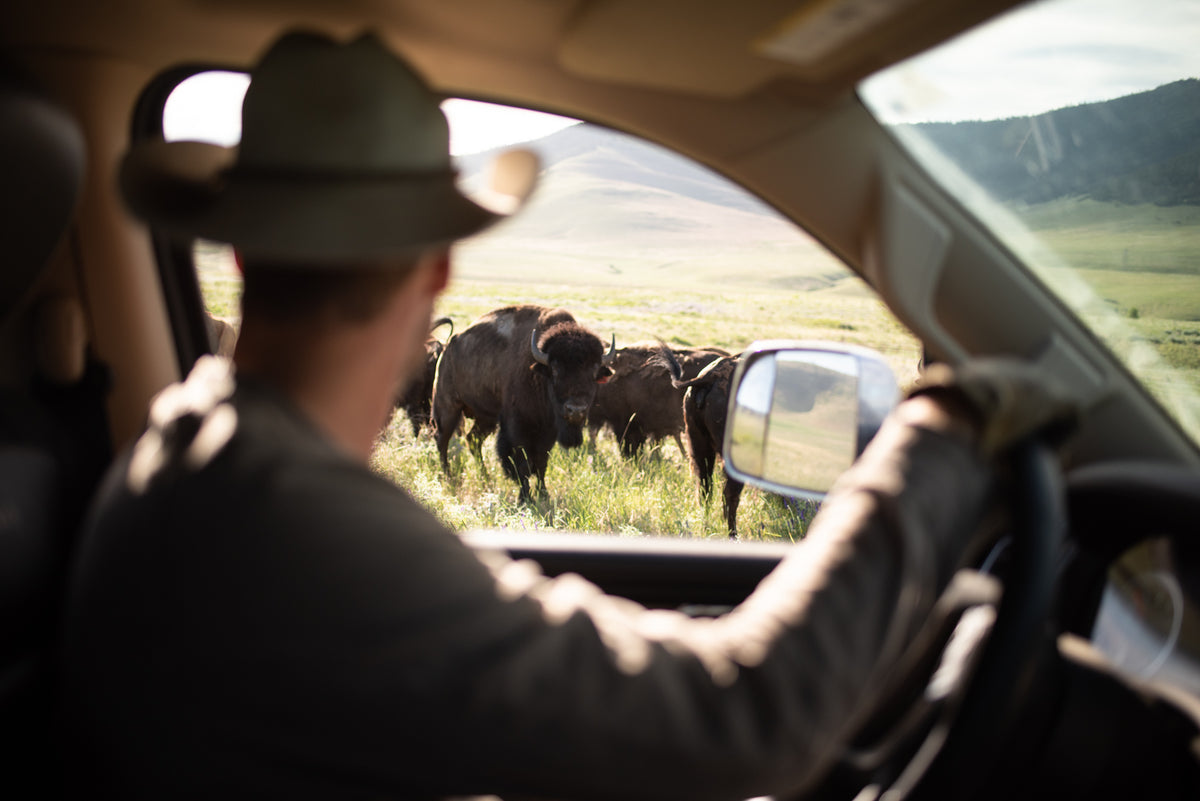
(271, 467)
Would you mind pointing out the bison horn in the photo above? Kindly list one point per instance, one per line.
(612, 350)
(538, 353)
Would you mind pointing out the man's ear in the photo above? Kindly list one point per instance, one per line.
(440, 271)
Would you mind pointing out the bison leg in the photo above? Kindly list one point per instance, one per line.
(541, 460)
(515, 462)
(479, 432)
(704, 459)
(632, 439)
(701, 447)
(732, 496)
(679, 444)
(418, 415)
(445, 423)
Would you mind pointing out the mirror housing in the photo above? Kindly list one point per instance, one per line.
(801, 412)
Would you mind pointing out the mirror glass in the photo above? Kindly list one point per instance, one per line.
(811, 431)
(800, 416)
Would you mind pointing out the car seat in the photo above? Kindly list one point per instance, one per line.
(53, 438)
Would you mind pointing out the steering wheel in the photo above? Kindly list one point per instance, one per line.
(939, 731)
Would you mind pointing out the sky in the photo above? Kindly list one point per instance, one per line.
(207, 107)
(1047, 56)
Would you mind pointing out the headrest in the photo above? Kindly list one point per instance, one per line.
(42, 159)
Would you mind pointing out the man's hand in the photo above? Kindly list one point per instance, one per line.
(1002, 399)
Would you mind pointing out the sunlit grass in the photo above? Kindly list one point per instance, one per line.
(587, 489)
(595, 489)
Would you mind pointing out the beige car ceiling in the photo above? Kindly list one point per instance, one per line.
(818, 48)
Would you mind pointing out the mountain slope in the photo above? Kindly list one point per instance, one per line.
(609, 204)
(610, 207)
(603, 154)
(1141, 148)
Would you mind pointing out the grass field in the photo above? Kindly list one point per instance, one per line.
(1135, 280)
(1140, 289)
(595, 489)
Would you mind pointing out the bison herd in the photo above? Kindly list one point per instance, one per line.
(535, 377)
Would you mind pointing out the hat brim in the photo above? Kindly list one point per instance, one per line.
(186, 189)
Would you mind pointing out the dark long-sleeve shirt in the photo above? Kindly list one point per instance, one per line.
(271, 619)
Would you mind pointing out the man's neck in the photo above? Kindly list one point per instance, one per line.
(346, 376)
(338, 389)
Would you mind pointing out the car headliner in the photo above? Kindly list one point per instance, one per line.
(821, 47)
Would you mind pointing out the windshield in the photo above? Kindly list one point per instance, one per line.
(1071, 129)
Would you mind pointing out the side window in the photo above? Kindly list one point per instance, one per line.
(207, 108)
(638, 243)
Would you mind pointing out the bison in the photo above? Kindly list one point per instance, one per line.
(639, 402)
(705, 408)
(530, 371)
(417, 397)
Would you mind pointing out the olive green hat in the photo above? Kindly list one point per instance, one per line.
(344, 157)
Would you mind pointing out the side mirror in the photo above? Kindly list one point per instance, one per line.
(800, 413)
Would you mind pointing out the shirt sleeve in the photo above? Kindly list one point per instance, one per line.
(438, 670)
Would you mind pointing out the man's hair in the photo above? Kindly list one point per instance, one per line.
(345, 293)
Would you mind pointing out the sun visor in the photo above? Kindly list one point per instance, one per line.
(666, 45)
(734, 48)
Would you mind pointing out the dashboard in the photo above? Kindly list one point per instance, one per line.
(1137, 528)
(1148, 621)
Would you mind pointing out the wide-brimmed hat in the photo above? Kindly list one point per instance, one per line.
(344, 156)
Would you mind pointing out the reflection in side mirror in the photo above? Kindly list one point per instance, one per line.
(800, 413)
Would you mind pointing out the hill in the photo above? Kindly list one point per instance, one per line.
(1138, 149)
(1141, 148)
(601, 153)
(612, 208)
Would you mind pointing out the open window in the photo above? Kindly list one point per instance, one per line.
(638, 243)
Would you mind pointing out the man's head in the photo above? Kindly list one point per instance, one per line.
(344, 159)
(341, 186)
(342, 203)
(303, 325)
(289, 294)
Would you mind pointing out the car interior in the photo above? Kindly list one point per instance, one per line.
(1090, 678)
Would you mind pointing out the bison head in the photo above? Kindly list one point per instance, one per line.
(572, 360)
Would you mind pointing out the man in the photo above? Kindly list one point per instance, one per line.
(256, 614)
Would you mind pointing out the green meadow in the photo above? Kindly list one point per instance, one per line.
(1140, 287)
(595, 488)
(1136, 282)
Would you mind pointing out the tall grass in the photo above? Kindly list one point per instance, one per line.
(593, 488)
(590, 488)
(596, 489)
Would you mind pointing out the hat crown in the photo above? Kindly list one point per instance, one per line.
(316, 106)
(344, 158)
